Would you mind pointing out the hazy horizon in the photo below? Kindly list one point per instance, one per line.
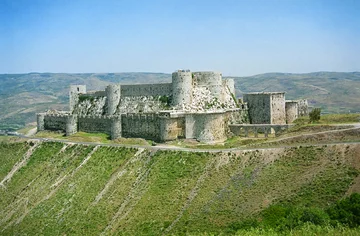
(169, 73)
(238, 38)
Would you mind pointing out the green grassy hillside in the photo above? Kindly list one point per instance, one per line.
(22, 95)
(54, 188)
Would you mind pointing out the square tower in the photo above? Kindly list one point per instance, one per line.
(266, 107)
(74, 92)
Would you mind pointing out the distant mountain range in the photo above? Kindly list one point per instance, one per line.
(22, 95)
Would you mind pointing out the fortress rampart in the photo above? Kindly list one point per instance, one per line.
(195, 105)
(137, 90)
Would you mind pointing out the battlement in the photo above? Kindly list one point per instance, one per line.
(105, 117)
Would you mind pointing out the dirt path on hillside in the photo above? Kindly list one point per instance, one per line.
(31, 132)
(355, 127)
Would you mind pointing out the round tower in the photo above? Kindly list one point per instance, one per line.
(115, 131)
(211, 80)
(71, 125)
(182, 86)
(113, 95)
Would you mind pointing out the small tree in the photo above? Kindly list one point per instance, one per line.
(314, 115)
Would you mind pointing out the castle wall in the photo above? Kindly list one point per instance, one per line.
(55, 122)
(190, 127)
(237, 116)
(291, 109)
(142, 104)
(259, 107)
(171, 128)
(278, 114)
(182, 88)
(137, 90)
(141, 126)
(94, 124)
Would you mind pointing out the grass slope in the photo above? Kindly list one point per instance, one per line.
(92, 190)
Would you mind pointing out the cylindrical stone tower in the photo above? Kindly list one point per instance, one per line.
(71, 125)
(115, 127)
(211, 80)
(113, 94)
(182, 86)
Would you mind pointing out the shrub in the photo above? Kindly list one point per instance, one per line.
(314, 115)
(346, 211)
(315, 216)
(285, 217)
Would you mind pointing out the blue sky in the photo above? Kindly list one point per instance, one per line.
(233, 36)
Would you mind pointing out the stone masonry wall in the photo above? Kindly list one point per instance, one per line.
(141, 126)
(210, 127)
(94, 124)
(303, 107)
(278, 114)
(171, 128)
(291, 109)
(55, 122)
(259, 107)
(138, 90)
(206, 127)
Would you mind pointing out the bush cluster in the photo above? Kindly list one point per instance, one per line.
(314, 115)
(280, 217)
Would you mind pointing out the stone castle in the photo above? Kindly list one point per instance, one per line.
(195, 105)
